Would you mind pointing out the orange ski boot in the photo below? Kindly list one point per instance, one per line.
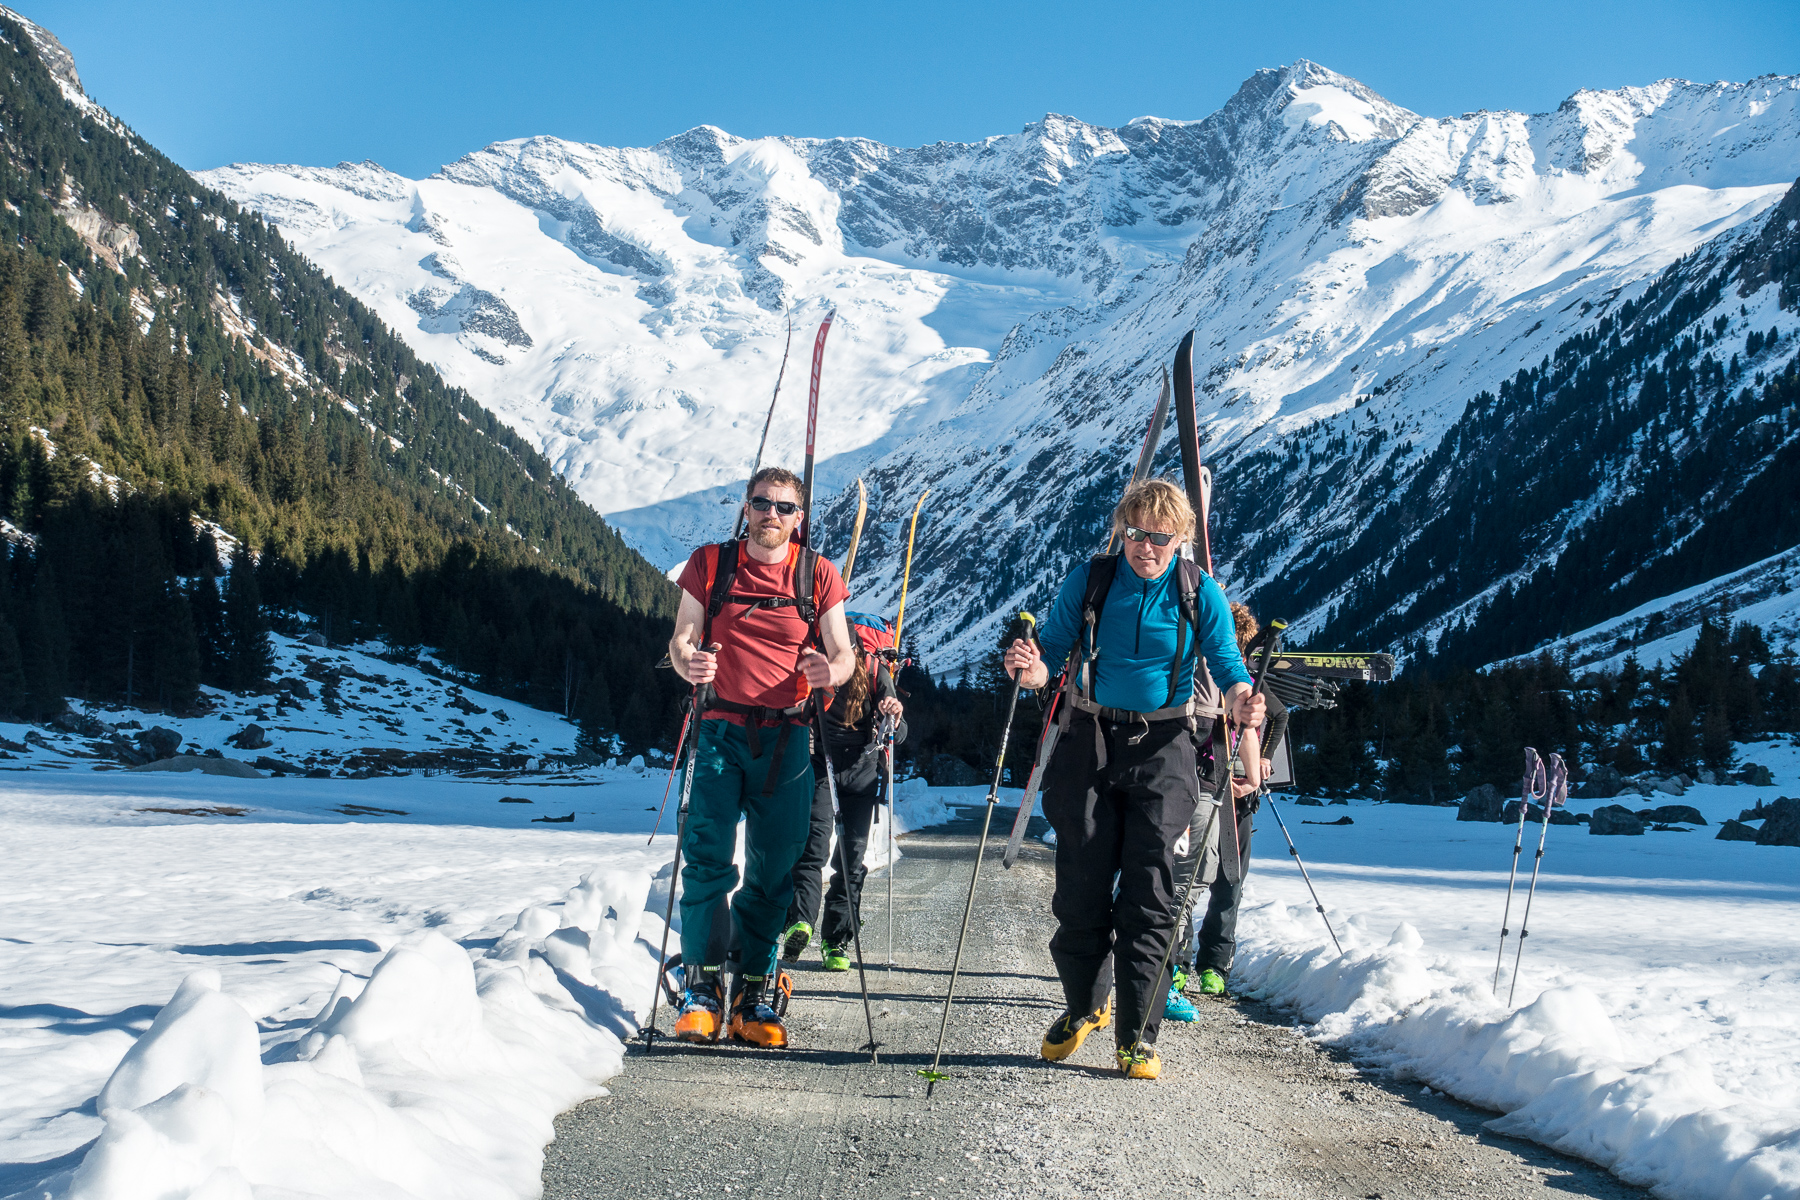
(702, 1009)
(753, 1020)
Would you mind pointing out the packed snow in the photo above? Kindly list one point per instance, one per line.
(1656, 1025)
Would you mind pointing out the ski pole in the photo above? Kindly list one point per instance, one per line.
(687, 716)
(888, 765)
(1556, 790)
(1534, 774)
(1295, 851)
(844, 867)
(681, 820)
(931, 1073)
(737, 527)
(1221, 798)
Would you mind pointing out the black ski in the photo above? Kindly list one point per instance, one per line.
(1194, 476)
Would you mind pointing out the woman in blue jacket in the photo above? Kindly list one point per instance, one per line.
(1124, 779)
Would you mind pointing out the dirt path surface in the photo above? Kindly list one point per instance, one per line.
(1245, 1107)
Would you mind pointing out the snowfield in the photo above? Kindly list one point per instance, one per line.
(1656, 1029)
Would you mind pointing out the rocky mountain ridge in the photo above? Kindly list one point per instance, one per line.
(1357, 274)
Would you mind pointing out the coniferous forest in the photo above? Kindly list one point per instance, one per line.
(202, 437)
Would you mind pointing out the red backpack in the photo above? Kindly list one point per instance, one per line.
(877, 637)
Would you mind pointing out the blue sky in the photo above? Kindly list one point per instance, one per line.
(414, 85)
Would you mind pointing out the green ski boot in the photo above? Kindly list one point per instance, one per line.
(837, 958)
(1211, 983)
(795, 941)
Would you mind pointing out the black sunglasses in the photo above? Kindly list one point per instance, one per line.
(1156, 539)
(786, 508)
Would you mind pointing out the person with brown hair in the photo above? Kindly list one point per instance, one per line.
(850, 730)
(761, 626)
(1156, 665)
(1218, 924)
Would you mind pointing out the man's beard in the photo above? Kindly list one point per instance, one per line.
(768, 538)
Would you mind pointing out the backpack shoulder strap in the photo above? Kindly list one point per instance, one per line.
(1187, 593)
(724, 574)
(1101, 570)
(806, 568)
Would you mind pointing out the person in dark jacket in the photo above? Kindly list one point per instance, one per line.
(851, 727)
(1218, 929)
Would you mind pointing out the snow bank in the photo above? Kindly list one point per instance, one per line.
(438, 1077)
(379, 1011)
(1670, 1063)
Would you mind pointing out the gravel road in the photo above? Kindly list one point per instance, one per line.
(1245, 1107)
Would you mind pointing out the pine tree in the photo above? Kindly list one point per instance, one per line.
(13, 695)
(211, 640)
(250, 653)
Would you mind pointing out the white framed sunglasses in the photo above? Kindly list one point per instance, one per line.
(1133, 533)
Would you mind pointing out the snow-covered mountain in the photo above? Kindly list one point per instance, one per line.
(1357, 274)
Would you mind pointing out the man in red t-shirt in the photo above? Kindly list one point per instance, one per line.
(759, 658)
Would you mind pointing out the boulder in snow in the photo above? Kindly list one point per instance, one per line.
(1482, 804)
(1673, 814)
(1782, 827)
(1615, 819)
(1510, 814)
(1674, 785)
(1756, 775)
(158, 742)
(1736, 831)
(231, 767)
(250, 737)
(1604, 781)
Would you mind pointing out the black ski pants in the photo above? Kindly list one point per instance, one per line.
(1117, 809)
(845, 895)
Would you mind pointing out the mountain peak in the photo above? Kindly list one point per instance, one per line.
(1304, 94)
(56, 56)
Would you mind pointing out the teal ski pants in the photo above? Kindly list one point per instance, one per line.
(728, 784)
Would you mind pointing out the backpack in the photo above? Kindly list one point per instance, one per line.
(1205, 701)
(876, 634)
(720, 564)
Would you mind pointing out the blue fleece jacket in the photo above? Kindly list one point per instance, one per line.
(1136, 637)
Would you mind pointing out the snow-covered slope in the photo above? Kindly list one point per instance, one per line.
(1352, 269)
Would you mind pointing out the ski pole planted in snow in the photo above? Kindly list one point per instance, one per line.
(1556, 791)
(1025, 626)
(1535, 787)
(1295, 852)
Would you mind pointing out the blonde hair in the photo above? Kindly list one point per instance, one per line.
(1247, 628)
(1155, 500)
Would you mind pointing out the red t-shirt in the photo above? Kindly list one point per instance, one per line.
(760, 648)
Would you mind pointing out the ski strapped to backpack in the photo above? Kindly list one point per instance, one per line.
(721, 565)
